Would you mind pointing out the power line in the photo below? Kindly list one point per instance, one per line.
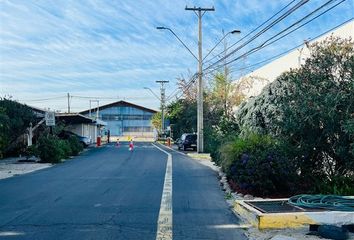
(248, 34)
(42, 99)
(263, 45)
(180, 90)
(265, 29)
(285, 52)
(289, 50)
(193, 78)
(287, 13)
(108, 98)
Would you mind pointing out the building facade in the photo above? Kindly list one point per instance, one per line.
(125, 119)
(83, 125)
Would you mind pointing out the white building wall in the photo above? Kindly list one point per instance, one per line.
(85, 130)
(253, 83)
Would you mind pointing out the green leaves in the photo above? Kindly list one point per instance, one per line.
(14, 119)
(311, 108)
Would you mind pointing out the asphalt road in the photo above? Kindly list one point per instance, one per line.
(111, 193)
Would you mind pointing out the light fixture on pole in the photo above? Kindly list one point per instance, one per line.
(152, 93)
(225, 35)
(174, 34)
(199, 12)
(162, 100)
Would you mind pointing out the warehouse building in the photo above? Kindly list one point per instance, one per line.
(124, 119)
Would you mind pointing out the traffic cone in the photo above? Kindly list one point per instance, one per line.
(131, 146)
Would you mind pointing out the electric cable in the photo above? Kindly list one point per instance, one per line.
(287, 13)
(289, 50)
(263, 45)
(217, 55)
(272, 24)
(42, 99)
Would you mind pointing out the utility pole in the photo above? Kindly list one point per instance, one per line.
(226, 75)
(163, 100)
(200, 131)
(97, 109)
(68, 102)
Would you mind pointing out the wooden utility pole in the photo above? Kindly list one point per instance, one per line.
(200, 131)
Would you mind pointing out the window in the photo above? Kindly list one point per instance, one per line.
(119, 117)
(137, 129)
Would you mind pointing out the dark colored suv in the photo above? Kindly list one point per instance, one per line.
(85, 141)
(188, 140)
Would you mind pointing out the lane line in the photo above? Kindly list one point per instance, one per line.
(170, 148)
(164, 222)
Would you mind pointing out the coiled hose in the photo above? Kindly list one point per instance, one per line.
(328, 202)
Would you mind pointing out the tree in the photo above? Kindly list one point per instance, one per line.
(318, 108)
(156, 120)
(14, 120)
(312, 109)
(4, 119)
(188, 87)
(183, 115)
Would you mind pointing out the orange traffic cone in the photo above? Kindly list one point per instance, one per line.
(131, 146)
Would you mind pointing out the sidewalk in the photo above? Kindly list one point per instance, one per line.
(10, 167)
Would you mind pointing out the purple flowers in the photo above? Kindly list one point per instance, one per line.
(244, 158)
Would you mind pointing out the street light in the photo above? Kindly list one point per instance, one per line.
(152, 93)
(169, 29)
(225, 35)
(162, 99)
(200, 141)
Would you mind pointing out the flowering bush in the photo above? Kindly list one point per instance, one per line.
(258, 164)
(312, 110)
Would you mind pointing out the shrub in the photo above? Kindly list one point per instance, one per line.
(216, 136)
(258, 164)
(31, 151)
(311, 108)
(14, 120)
(340, 185)
(65, 148)
(75, 145)
(49, 149)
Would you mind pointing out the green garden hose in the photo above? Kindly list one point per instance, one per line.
(328, 202)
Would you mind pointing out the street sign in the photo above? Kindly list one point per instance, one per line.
(50, 118)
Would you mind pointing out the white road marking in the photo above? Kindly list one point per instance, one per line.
(230, 226)
(183, 154)
(164, 223)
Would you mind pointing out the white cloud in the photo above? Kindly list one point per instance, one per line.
(49, 47)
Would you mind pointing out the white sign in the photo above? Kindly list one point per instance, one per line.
(50, 118)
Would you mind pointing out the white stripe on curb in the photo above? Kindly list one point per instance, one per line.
(164, 223)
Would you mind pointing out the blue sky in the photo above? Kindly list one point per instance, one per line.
(111, 49)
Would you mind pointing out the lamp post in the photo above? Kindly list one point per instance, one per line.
(200, 59)
(162, 99)
(174, 34)
(225, 35)
(152, 93)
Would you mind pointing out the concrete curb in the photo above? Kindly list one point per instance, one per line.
(290, 219)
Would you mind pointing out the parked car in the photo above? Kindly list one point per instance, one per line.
(85, 141)
(188, 140)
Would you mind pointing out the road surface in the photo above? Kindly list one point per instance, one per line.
(112, 193)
